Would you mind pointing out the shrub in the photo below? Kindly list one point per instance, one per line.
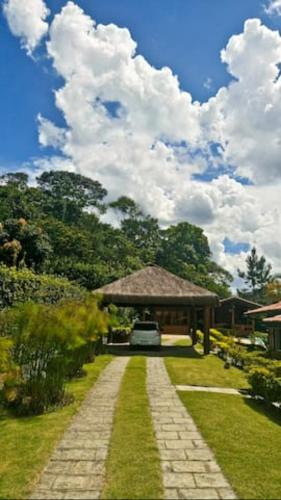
(119, 335)
(50, 343)
(22, 286)
(199, 336)
(265, 384)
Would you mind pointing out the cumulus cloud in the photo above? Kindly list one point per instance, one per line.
(245, 117)
(27, 20)
(130, 126)
(273, 7)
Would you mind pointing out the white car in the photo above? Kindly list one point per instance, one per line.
(145, 333)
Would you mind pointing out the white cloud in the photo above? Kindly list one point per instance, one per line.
(27, 20)
(273, 8)
(159, 138)
(245, 117)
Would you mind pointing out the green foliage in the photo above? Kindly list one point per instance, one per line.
(264, 374)
(257, 277)
(69, 193)
(185, 251)
(24, 285)
(66, 237)
(48, 344)
(23, 244)
(5, 354)
(264, 383)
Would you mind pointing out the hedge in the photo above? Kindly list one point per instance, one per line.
(19, 286)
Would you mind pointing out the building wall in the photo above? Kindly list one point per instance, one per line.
(173, 320)
(230, 315)
(275, 339)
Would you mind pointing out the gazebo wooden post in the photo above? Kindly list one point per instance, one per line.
(207, 329)
(194, 324)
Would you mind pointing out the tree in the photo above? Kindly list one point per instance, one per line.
(69, 193)
(181, 245)
(142, 230)
(127, 207)
(15, 179)
(256, 277)
(23, 244)
(273, 290)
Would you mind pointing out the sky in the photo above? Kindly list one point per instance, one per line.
(175, 103)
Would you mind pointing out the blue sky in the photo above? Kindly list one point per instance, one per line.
(186, 35)
(212, 159)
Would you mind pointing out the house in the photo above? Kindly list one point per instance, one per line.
(177, 304)
(273, 322)
(274, 325)
(230, 314)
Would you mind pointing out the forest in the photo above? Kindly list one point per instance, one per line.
(57, 227)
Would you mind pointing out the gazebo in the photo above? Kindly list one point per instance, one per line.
(177, 304)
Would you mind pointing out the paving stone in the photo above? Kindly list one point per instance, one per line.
(199, 443)
(86, 468)
(226, 494)
(47, 495)
(179, 444)
(176, 480)
(214, 479)
(212, 467)
(46, 481)
(101, 454)
(166, 435)
(81, 495)
(190, 435)
(83, 444)
(66, 482)
(59, 467)
(74, 455)
(172, 454)
(197, 454)
(171, 494)
(180, 420)
(198, 494)
(188, 465)
(77, 466)
(89, 434)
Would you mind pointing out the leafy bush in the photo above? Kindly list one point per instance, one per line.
(119, 335)
(49, 343)
(24, 285)
(264, 383)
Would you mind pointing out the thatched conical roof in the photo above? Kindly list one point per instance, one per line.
(153, 285)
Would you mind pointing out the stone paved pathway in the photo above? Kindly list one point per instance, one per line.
(77, 467)
(189, 467)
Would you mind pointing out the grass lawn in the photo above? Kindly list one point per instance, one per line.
(246, 439)
(26, 443)
(133, 467)
(185, 342)
(192, 368)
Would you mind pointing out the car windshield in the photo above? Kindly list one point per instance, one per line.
(145, 326)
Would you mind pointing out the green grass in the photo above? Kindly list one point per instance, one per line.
(26, 443)
(133, 467)
(246, 439)
(186, 342)
(194, 369)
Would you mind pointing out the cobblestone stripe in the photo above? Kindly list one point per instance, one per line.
(77, 467)
(189, 467)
